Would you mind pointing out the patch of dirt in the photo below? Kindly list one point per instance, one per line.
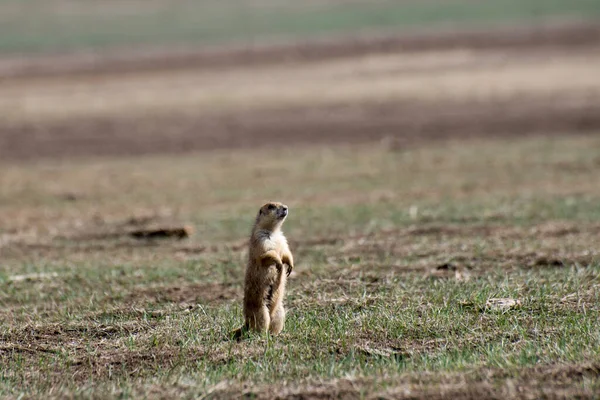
(583, 301)
(371, 351)
(139, 363)
(44, 335)
(153, 226)
(546, 381)
(105, 362)
(161, 234)
(474, 249)
(197, 293)
(131, 363)
(413, 123)
(146, 233)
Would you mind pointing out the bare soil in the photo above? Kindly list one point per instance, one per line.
(407, 123)
(461, 109)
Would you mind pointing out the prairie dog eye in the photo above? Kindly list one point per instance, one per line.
(271, 207)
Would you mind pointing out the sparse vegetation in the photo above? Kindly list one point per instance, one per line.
(444, 203)
(381, 296)
(69, 25)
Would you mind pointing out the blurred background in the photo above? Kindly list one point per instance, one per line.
(82, 78)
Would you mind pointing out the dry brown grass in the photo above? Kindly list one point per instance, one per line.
(401, 244)
(461, 76)
(400, 251)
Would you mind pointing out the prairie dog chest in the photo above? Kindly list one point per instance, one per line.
(275, 241)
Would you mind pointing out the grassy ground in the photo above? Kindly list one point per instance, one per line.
(399, 254)
(401, 246)
(65, 25)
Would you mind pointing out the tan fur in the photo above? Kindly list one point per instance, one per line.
(269, 264)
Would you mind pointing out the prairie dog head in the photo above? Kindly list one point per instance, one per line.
(271, 215)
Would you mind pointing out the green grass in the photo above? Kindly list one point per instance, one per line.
(405, 325)
(42, 26)
(383, 300)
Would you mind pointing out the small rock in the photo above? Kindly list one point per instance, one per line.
(502, 304)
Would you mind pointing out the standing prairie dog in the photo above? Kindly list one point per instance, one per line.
(265, 275)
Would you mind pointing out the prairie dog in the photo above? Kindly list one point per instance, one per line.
(270, 262)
